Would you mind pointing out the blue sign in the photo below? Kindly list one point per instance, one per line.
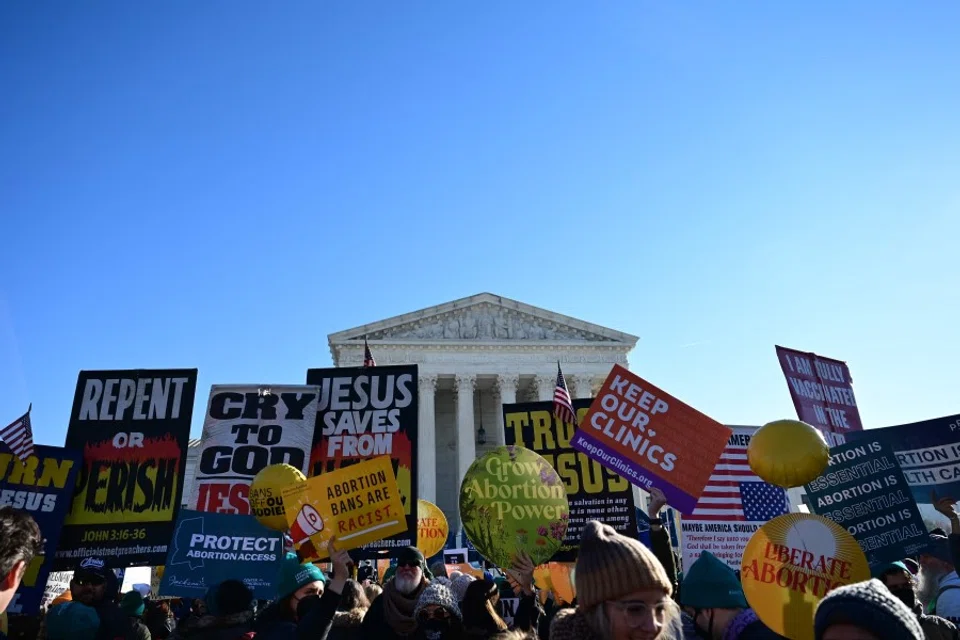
(44, 489)
(928, 452)
(208, 548)
(864, 491)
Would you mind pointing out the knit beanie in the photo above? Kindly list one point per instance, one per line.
(294, 575)
(132, 604)
(869, 606)
(610, 566)
(939, 549)
(439, 595)
(460, 584)
(72, 621)
(711, 584)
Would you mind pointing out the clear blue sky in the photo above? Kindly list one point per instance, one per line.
(222, 184)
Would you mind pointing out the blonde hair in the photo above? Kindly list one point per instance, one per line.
(372, 591)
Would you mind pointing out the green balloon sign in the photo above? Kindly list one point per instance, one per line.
(511, 501)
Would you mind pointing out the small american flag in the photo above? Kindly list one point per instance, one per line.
(734, 493)
(562, 404)
(19, 437)
(368, 360)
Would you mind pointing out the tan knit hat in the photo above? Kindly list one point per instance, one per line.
(610, 566)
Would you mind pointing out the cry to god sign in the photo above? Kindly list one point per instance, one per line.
(651, 438)
(354, 505)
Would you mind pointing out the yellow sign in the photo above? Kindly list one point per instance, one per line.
(432, 528)
(266, 503)
(355, 505)
(791, 563)
(788, 453)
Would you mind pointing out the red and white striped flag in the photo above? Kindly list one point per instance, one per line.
(368, 360)
(19, 436)
(562, 404)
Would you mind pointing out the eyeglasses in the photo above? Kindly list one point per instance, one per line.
(412, 565)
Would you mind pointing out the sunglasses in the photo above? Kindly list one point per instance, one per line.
(439, 614)
(90, 581)
(412, 565)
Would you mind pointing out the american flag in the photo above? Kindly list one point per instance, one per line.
(18, 435)
(562, 404)
(734, 493)
(368, 360)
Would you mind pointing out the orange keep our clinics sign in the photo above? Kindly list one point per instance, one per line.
(651, 438)
(355, 505)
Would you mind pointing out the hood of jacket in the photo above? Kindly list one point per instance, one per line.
(349, 619)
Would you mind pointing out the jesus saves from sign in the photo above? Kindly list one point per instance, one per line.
(364, 427)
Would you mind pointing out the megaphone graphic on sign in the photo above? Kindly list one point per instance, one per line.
(307, 523)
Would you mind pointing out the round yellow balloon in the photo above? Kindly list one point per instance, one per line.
(788, 453)
(791, 563)
(266, 499)
(432, 528)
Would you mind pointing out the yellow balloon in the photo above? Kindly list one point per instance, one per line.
(266, 500)
(788, 453)
(432, 528)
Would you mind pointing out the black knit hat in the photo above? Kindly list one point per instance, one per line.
(869, 606)
(414, 555)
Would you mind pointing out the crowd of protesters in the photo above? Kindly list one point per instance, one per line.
(624, 591)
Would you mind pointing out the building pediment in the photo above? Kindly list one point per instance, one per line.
(483, 318)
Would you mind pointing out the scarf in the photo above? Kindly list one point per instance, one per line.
(398, 609)
(742, 620)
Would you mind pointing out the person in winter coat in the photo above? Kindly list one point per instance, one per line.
(305, 604)
(349, 616)
(96, 586)
(713, 597)
(865, 611)
(159, 620)
(229, 614)
(437, 614)
(623, 592)
(391, 616)
(901, 583)
(132, 606)
(480, 617)
(939, 582)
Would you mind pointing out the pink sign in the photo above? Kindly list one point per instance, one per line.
(822, 392)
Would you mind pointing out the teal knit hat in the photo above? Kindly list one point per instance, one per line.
(132, 603)
(294, 575)
(890, 566)
(711, 584)
(72, 621)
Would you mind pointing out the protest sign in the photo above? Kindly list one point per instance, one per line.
(132, 427)
(42, 487)
(356, 505)
(455, 556)
(822, 392)
(208, 548)
(432, 528)
(248, 428)
(735, 503)
(365, 412)
(651, 438)
(791, 563)
(512, 501)
(928, 452)
(864, 491)
(58, 583)
(594, 492)
(507, 609)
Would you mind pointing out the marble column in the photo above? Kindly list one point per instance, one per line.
(466, 432)
(545, 385)
(507, 394)
(582, 386)
(427, 447)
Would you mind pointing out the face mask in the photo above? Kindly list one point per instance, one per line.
(434, 629)
(905, 595)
